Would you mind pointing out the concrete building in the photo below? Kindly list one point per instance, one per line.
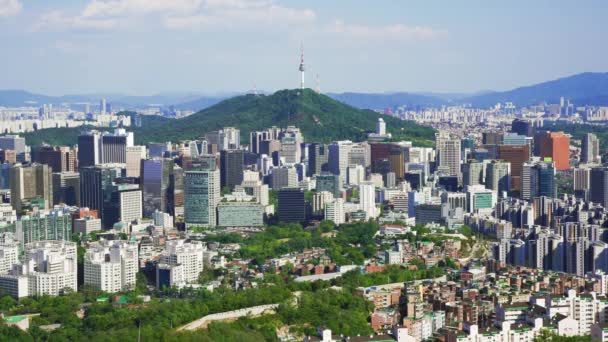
(201, 196)
(111, 266)
(240, 214)
(367, 199)
(180, 264)
(334, 211)
(31, 185)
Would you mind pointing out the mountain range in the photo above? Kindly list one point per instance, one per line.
(589, 88)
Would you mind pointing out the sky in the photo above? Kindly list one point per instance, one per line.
(144, 47)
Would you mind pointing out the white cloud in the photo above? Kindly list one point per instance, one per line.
(10, 7)
(397, 32)
(177, 14)
(263, 14)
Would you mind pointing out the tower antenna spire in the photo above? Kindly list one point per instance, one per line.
(302, 67)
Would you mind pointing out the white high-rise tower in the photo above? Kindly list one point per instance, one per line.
(302, 68)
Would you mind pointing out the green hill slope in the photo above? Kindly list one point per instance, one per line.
(320, 118)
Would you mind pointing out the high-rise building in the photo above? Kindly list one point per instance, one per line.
(59, 158)
(599, 190)
(111, 266)
(319, 200)
(96, 187)
(124, 204)
(114, 146)
(355, 174)
(317, 159)
(498, 176)
(102, 106)
(231, 166)
(590, 149)
(134, 156)
(224, 139)
(283, 177)
(292, 206)
(472, 173)
(31, 185)
(9, 253)
(240, 214)
(89, 149)
(338, 158)
(367, 199)
(156, 181)
(55, 224)
(330, 183)
(201, 196)
(581, 179)
(66, 188)
(448, 154)
(556, 145)
(516, 155)
(14, 143)
(538, 179)
(360, 154)
(334, 211)
(523, 127)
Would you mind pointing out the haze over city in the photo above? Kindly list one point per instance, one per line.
(145, 47)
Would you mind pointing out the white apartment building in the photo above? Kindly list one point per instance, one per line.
(49, 268)
(184, 260)
(334, 211)
(367, 199)
(111, 266)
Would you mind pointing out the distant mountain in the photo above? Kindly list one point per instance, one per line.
(192, 101)
(586, 88)
(320, 118)
(387, 100)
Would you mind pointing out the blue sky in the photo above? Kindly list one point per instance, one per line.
(148, 46)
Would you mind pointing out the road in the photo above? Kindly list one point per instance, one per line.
(203, 322)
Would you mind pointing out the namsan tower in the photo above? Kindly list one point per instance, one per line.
(302, 67)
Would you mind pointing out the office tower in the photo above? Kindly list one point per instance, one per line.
(89, 149)
(292, 138)
(283, 177)
(367, 199)
(538, 179)
(480, 199)
(59, 158)
(157, 150)
(542, 210)
(48, 268)
(231, 166)
(514, 139)
(66, 188)
(338, 158)
(355, 174)
(491, 138)
(556, 145)
(590, 151)
(180, 264)
(55, 224)
(599, 186)
(360, 154)
(240, 214)
(156, 182)
(14, 143)
(449, 183)
(114, 146)
(177, 183)
(472, 173)
(415, 178)
(31, 184)
(334, 211)
(390, 180)
(134, 155)
(232, 138)
(319, 200)
(448, 154)
(270, 147)
(292, 207)
(581, 179)
(102, 106)
(255, 138)
(96, 187)
(111, 266)
(330, 183)
(317, 159)
(498, 176)
(516, 155)
(522, 127)
(124, 204)
(8, 156)
(201, 195)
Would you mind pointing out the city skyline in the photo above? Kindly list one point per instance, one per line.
(148, 47)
